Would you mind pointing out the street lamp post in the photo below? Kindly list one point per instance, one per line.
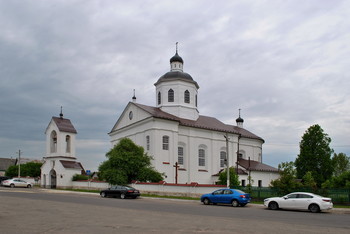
(19, 163)
(227, 162)
(239, 137)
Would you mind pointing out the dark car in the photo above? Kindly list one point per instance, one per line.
(120, 191)
(234, 197)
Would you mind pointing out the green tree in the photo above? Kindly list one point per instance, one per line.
(127, 162)
(341, 181)
(309, 181)
(288, 180)
(12, 171)
(31, 169)
(315, 155)
(341, 163)
(234, 181)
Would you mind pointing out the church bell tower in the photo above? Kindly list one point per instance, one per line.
(176, 91)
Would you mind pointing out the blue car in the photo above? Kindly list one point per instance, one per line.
(234, 197)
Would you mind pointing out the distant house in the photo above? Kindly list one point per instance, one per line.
(5, 163)
(27, 160)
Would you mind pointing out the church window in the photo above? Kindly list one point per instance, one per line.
(53, 142)
(165, 142)
(243, 183)
(222, 158)
(196, 100)
(259, 183)
(147, 143)
(201, 157)
(159, 98)
(241, 154)
(187, 96)
(68, 144)
(180, 154)
(171, 95)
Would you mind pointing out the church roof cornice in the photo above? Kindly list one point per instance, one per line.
(203, 122)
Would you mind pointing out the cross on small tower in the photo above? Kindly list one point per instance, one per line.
(61, 114)
(134, 97)
(176, 46)
(176, 170)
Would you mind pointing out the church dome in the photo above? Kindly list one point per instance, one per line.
(239, 120)
(176, 75)
(176, 58)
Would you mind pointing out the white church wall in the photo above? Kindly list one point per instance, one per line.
(63, 175)
(265, 177)
(252, 148)
(178, 107)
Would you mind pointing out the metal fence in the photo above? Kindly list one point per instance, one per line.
(339, 196)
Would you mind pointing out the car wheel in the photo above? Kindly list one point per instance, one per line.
(12, 185)
(103, 194)
(314, 208)
(273, 206)
(122, 196)
(29, 186)
(206, 201)
(235, 203)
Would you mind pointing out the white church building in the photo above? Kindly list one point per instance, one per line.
(60, 163)
(186, 146)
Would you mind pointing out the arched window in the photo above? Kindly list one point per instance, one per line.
(171, 95)
(241, 154)
(222, 158)
(147, 143)
(201, 157)
(180, 155)
(53, 142)
(196, 100)
(68, 143)
(187, 96)
(159, 98)
(165, 142)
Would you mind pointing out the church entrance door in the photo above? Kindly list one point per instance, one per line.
(53, 179)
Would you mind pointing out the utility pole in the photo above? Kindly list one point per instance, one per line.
(19, 163)
(239, 137)
(227, 162)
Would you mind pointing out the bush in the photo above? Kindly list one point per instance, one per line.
(77, 177)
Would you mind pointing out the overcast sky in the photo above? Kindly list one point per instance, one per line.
(284, 63)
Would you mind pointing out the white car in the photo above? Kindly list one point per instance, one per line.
(299, 201)
(17, 183)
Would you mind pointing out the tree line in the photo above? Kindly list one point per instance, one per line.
(316, 166)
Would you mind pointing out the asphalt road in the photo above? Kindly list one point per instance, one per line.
(54, 211)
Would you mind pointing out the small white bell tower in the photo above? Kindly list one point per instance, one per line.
(60, 137)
